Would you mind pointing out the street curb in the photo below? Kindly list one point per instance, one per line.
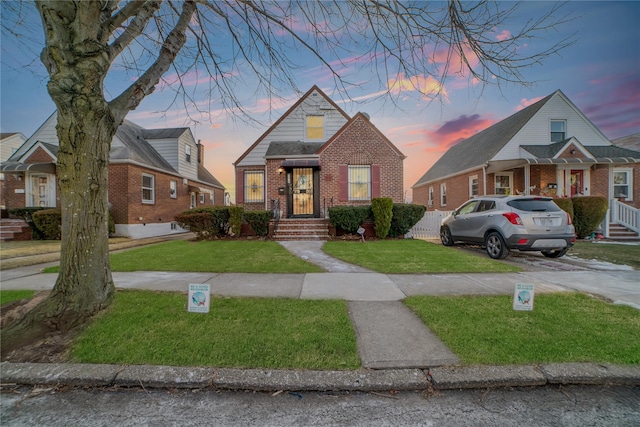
(439, 378)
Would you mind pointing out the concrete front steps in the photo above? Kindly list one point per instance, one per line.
(14, 229)
(302, 229)
(620, 232)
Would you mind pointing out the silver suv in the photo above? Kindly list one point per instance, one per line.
(502, 223)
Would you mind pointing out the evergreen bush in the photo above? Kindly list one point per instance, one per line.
(589, 211)
(566, 204)
(258, 221)
(235, 219)
(48, 222)
(349, 218)
(405, 216)
(382, 208)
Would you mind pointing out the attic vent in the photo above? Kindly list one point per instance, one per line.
(314, 94)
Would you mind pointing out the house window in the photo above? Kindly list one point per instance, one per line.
(315, 127)
(558, 130)
(202, 198)
(253, 186)
(211, 198)
(359, 182)
(622, 184)
(503, 183)
(430, 200)
(443, 194)
(192, 203)
(173, 189)
(473, 186)
(148, 188)
(187, 152)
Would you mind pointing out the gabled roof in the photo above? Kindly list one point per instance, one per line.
(205, 176)
(135, 148)
(350, 122)
(477, 150)
(550, 150)
(168, 133)
(291, 109)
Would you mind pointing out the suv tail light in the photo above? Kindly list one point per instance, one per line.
(569, 222)
(513, 218)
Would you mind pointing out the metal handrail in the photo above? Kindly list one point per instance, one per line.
(275, 214)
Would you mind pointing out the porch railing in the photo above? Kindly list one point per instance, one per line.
(325, 207)
(275, 214)
(623, 214)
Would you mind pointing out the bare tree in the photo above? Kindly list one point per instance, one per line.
(229, 40)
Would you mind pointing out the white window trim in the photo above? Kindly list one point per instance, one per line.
(443, 194)
(368, 167)
(495, 182)
(173, 189)
(629, 172)
(192, 201)
(187, 152)
(202, 199)
(471, 178)
(566, 132)
(430, 198)
(152, 200)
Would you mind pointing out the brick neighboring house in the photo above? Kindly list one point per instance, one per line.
(154, 174)
(549, 148)
(9, 143)
(315, 156)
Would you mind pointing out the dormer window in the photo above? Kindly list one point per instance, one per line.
(315, 128)
(558, 130)
(187, 152)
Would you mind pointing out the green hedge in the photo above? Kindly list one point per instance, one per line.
(48, 222)
(382, 208)
(235, 219)
(566, 204)
(589, 211)
(258, 221)
(349, 218)
(405, 216)
(207, 222)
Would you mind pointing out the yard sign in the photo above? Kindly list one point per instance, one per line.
(199, 298)
(523, 297)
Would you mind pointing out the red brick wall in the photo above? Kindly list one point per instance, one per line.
(361, 144)
(39, 156)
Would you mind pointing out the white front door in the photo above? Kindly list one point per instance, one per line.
(41, 192)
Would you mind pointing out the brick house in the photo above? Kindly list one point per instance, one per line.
(314, 157)
(154, 174)
(549, 148)
(9, 143)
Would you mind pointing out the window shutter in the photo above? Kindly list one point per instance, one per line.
(375, 181)
(343, 183)
(239, 187)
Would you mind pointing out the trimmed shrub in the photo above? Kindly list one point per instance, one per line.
(349, 218)
(589, 211)
(26, 215)
(48, 223)
(235, 219)
(405, 216)
(566, 204)
(258, 221)
(216, 225)
(382, 208)
(200, 223)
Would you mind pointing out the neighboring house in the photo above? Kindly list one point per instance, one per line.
(549, 148)
(9, 143)
(315, 157)
(154, 174)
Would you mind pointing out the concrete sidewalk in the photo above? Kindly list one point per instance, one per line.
(389, 336)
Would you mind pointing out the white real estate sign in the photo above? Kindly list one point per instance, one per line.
(199, 298)
(523, 297)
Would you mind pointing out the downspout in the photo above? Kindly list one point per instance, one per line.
(484, 178)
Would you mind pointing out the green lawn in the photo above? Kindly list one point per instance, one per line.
(143, 327)
(413, 256)
(218, 256)
(567, 327)
(616, 253)
(10, 296)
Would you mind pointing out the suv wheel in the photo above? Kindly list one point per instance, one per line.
(445, 236)
(496, 248)
(555, 254)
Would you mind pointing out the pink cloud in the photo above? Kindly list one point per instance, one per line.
(503, 35)
(426, 85)
(215, 126)
(454, 131)
(524, 102)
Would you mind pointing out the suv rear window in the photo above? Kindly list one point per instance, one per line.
(534, 205)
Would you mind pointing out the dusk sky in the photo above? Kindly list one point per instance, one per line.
(600, 73)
